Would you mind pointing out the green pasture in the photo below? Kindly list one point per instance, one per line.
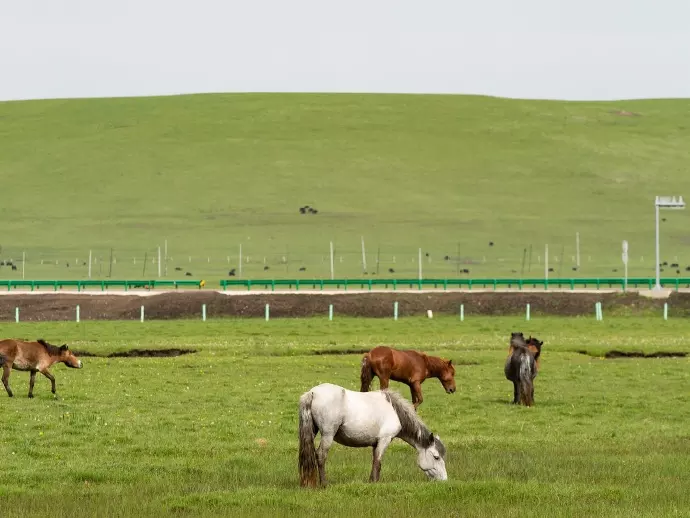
(448, 174)
(215, 433)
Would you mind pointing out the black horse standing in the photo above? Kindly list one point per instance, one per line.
(521, 367)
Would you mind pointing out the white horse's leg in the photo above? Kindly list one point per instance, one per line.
(322, 453)
(378, 453)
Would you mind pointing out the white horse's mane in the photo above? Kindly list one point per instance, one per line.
(412, 426)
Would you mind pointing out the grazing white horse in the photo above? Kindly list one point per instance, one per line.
(361, 419)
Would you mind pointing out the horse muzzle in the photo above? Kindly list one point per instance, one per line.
(450, 391)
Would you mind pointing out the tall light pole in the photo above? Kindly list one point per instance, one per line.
(664, 202)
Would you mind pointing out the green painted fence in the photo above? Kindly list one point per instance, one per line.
(446, 284)
(345, 284)
(103, 285)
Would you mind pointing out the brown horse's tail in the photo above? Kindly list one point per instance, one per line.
(367, 374)
(525, 379)
(307, 453)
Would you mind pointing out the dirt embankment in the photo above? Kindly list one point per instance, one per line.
(52, 307)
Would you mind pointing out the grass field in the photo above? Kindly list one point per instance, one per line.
(214, 433)
(444, 173)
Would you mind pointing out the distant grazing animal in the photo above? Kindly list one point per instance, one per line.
(302, 210)
(302, 269)
(265, 268)
(391, 270)
(522, 366)
(362, 420)
(408, 367)
(33, 357)
(14, 267)
(188, 274)
(178, 268)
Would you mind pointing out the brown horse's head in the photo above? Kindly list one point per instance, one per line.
(447, 376)
(534, 345)
(67, 357)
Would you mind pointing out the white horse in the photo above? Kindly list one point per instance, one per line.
(361, 419)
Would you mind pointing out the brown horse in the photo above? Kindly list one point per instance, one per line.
(522, 366)
(33, 357)
(409, 367)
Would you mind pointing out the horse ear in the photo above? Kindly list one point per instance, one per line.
(431, 438)
(64, 347)
(450, 362)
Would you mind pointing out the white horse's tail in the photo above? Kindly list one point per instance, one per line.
(307, 453)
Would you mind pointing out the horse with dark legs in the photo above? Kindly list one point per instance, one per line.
(359, 420)
(34, 357)
(522, 366)
(408, 367)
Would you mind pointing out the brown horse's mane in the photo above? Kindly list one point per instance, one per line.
(435, 363)
(53, 350)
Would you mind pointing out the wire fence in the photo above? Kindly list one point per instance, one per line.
(255, 263)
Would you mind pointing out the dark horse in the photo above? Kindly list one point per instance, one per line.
(522, 366)
(409, 367)
(33, 357)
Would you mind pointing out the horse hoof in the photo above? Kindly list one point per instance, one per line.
(31, 396)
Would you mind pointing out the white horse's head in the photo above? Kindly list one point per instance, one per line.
(431, 459)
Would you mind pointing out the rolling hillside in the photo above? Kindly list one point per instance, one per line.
(448, 174)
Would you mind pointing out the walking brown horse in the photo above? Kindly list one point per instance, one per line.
(34, 357)
(522, 366)
(408, 367)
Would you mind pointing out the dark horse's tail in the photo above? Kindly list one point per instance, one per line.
(367, 374)
(525, 378)
(307, 453)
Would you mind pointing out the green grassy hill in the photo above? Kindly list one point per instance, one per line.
(444, 173)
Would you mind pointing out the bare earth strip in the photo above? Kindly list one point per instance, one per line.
(120, 305)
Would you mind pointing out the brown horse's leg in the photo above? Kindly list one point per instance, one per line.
(32, 379)
(416, 391)
(383, 382)
(6, 369)
(51, 378)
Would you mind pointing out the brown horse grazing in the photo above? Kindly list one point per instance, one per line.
(522, 366)
(409, 367)
(33, 357)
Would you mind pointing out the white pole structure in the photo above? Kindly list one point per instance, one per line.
(23, 263)
(16, 315)
(332, 274)
(395, 311)
(159, 261)
(165, 258)
(527, 313)
(546, 262)
(420, 264)
(364, 257)
(462, 312)
(77, 313)
(142, 314)
(203, 312)
(267, 313)
(625, 264)
(240, 267)
(664, 202)
(577, 249)
(330, 312)
(665, 310)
